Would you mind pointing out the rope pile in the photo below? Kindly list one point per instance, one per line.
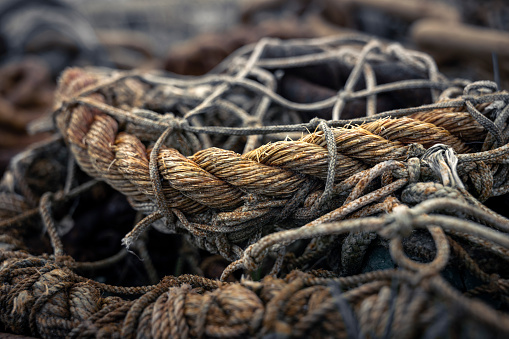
(390, 201)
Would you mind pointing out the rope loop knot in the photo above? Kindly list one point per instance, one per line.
(176, 123)
(399, 223)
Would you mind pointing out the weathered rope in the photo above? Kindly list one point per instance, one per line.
(218, 180)
(55, 302)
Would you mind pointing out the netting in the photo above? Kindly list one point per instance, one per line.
(289, 157)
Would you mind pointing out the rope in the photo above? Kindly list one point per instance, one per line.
(219, 181)
(302, 302)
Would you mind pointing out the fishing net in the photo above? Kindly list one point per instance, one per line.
(346, 178)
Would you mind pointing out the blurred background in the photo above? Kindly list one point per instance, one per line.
(39, 38)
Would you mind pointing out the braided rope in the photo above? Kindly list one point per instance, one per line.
(223, 182)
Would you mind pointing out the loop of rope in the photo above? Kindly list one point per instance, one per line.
(485, 122)
(437, 265)
(353, 78)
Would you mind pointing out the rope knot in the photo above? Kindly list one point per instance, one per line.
(415, 150)
(176, 123)
(443, 161)
(315, 122)
(399, 223)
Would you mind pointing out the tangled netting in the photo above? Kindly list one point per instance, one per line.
(246, 162)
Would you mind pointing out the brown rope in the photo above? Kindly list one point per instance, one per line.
(459, 124)
(300, 305)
